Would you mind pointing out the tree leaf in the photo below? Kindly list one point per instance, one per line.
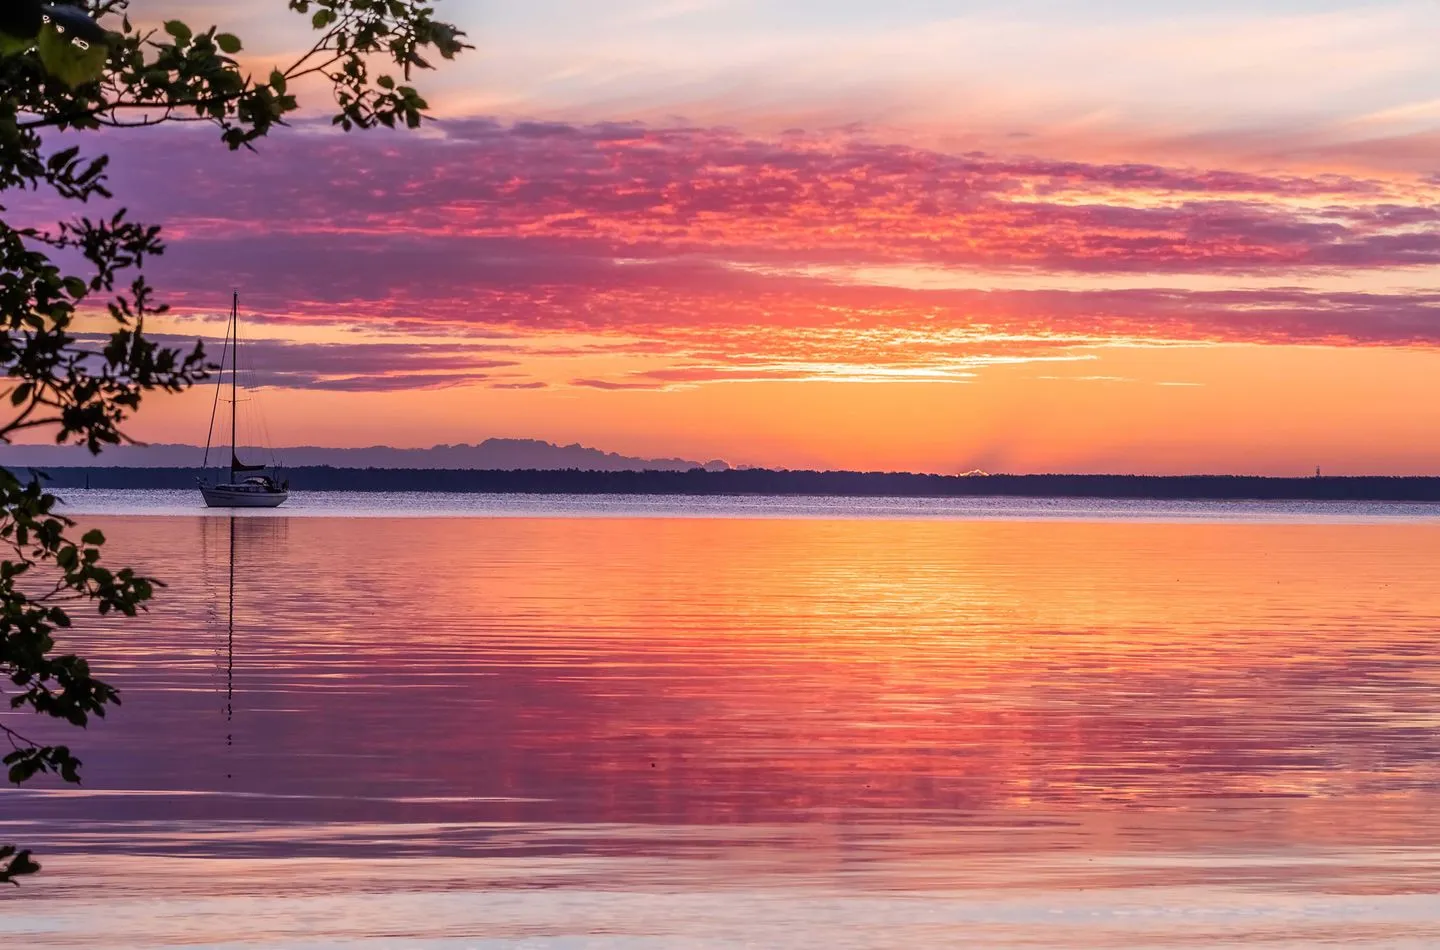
(73, 61)
(73, 21)
(228, 43)
(179, 30)
(22, 770)
(11, 44)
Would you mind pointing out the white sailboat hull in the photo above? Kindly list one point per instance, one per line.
(242, 496)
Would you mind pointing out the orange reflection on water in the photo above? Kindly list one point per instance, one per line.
(718, 670)
(1052, 717)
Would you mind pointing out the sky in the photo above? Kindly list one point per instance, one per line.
(936, 236)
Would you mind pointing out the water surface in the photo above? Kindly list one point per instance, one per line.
(632, 731)
(502, 505)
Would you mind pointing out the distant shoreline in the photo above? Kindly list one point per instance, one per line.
(770, 482)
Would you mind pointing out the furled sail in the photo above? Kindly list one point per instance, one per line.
(238, 466)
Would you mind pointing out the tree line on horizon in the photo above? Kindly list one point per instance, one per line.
(760, 481)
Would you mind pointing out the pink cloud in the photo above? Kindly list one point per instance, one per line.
(355, 367)
(721, 251)
(612, 386)
(608, 190)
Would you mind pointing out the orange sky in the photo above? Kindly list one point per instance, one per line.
(1081, 269)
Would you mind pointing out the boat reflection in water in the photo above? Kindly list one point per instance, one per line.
(234, 546)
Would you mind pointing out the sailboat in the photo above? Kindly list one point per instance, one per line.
(242, 490)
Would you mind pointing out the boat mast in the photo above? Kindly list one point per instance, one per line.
(234, 374)
(215, 403)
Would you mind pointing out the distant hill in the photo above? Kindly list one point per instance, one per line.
(492, 454)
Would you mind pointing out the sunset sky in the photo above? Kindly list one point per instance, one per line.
(1029, 236)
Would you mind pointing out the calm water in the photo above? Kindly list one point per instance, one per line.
(623, 728)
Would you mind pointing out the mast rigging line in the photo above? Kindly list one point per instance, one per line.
(234, 378)
(220, 380)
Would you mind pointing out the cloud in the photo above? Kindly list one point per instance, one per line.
(390, 382)
(1090, 379)
(747, 371)
(611, 385)
(724, 256)
(350, 367)
(588, 192)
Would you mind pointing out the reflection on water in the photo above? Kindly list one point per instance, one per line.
(705, 732)
(230, 632)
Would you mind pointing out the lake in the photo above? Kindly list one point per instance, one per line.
(660, 722)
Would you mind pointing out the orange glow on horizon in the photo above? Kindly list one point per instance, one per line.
(821, 300)
(1227, 409)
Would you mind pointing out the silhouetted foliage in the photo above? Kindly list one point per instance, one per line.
(68, 68)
